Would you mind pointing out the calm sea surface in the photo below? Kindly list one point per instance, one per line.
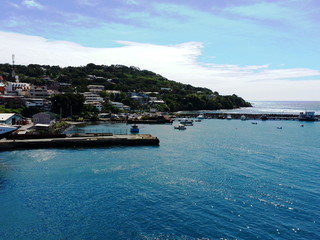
(278, 107)
(219, 179)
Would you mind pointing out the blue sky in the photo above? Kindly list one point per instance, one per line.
(257, 49)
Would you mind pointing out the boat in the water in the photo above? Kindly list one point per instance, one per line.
(243, 117)
(229, 117)
(186, 122)
(180, 127)
(6, 129)
(200, 116)
(134, 129)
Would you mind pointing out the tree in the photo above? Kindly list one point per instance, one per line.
(67, 104)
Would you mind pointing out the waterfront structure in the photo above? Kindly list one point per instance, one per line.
(307, 116)
(44, 119)
(87, 140)
(9, 118)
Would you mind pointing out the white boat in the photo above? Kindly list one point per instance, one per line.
(229, 117)
(180, 127)
(6, 129)
(200, 116)
(243, 117)
(186, 122)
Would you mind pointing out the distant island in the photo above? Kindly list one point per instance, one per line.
(94, 89)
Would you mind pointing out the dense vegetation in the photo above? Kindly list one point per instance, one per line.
(126, 79)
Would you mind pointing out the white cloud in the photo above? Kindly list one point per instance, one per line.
(132, 2)
(90, 3)
(14, 5)
(262, 10)
(176, 62)
(32, 4)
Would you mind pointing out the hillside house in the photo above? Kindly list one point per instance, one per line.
(44, 119)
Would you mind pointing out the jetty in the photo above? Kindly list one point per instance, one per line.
(246, 116)
(79, 141)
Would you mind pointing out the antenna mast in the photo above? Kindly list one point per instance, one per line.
(13, 73)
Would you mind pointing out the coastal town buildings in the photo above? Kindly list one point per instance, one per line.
(44, 119)
(37, 97)
(9, 118)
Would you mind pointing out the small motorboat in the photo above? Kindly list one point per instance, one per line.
(279, 127)
(186, 122)
(134, 129)
(180, 127)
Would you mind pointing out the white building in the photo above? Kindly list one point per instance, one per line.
(117, 104)
(94, 100)
(9, 118)
(92, 97)
(38, 91)
(17, 89)
(95, 88)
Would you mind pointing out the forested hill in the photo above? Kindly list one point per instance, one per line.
(177, 96)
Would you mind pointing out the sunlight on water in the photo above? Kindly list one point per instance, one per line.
(218, 179)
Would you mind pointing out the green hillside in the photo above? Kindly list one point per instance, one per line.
(177, 96)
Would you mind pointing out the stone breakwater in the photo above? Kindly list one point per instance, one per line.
(88, 141)
(268, 116)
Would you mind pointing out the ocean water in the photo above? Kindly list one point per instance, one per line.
(219, 179)
(278, 107)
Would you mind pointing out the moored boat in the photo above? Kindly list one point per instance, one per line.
(180, 127)
(134, 129)
(200, 116)
(6, 129)
(186, 122)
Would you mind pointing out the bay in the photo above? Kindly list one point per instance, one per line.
(219, 179)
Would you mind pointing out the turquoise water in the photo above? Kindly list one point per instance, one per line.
(219, 179)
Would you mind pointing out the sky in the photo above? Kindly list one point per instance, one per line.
(257, 49)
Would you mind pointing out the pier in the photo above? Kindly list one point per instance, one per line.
(86, 141)
(247, 116)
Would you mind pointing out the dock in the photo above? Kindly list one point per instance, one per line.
(246, 116)
(82, 141)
